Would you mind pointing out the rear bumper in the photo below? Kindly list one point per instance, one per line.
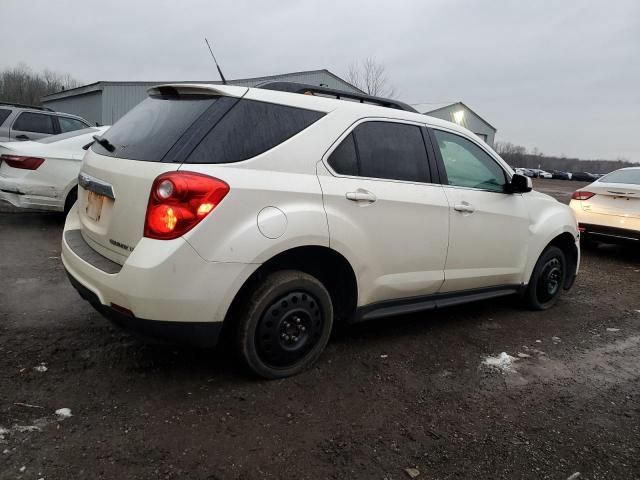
(201, 334)
(169, 290)
(20, 194)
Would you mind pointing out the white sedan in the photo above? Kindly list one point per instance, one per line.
(43, 174)
(608, 210)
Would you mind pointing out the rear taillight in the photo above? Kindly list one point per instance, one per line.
(581, 195)
(18, 161)
(179, 201)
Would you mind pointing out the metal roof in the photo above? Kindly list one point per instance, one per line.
(98, 86)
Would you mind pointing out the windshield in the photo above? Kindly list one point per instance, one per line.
(64, 136)
(632, 177)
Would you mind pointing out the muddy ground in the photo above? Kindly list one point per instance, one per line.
(408, 392)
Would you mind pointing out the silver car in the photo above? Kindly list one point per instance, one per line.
(23, 122)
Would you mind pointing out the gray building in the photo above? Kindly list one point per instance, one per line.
(106, 102)
(462, 115)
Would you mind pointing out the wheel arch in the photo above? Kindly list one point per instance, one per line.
(566, 242)
(327, 265)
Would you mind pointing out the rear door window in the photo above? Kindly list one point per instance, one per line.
(4, 113)
(70, 124)
(344, 159)
(34, 122)
(249, 129)
(392, 150)
(387, 150)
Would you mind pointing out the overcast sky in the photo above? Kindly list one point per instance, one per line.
(562, 76)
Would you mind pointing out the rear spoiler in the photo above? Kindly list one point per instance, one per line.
(198, 89)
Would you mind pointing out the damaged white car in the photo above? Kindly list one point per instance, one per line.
(43, 174)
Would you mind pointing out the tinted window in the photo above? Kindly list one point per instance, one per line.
(391, 150)
(249, 129)
(631, 177)
(4, 114)
(70, 124)
(343, 159)
(467, 165)
(34, 122)
(150, 129)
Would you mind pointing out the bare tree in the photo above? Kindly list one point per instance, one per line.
(370, 77)
(20, 84)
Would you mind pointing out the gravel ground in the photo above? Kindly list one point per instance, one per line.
(407, 393)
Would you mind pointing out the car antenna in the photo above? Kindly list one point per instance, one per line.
(224, 80)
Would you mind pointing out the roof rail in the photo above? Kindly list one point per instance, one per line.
(292, 87)
(21, 105)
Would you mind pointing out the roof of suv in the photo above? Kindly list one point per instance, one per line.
(21, 105)
(311, 101)
(33, 108)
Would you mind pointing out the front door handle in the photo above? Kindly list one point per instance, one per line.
(464, 207)
(361, 196)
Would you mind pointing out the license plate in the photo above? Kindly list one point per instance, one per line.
(94, 206)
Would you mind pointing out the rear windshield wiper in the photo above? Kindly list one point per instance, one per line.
(104, 143)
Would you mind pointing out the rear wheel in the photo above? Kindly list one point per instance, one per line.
(547, 279)
(285, 325)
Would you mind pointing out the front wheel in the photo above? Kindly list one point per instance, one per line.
(547, 279)
(285, 324)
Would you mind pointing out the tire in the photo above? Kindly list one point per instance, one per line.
(547, 279)
(72, 197)
(285, 324)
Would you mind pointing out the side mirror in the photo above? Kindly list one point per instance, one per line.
(519, 184)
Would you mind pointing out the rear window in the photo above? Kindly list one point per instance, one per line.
(34, 122)
(149, 130)
(249, 129)
(204, 129)
(4, 113)
(631, 177)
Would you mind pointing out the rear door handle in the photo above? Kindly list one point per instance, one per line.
(464, 207)
(361, 196)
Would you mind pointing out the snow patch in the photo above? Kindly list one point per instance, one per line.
(26, 428)
(503, 362)
(41, 368)
(38, 424)
(63, 413)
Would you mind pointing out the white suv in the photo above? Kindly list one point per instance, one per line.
(275, 214)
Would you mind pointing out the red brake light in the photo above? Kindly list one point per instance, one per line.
(18, 161)
(179, 201)
(581, 195)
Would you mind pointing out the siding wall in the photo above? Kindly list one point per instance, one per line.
(87, 106)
